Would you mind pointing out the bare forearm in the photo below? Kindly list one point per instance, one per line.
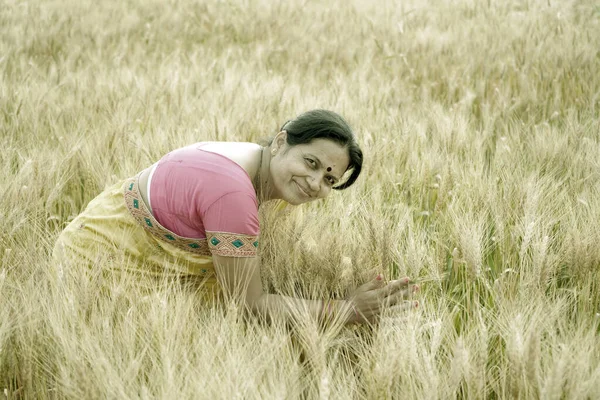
(277, 307)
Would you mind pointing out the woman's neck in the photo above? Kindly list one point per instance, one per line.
(261, 180)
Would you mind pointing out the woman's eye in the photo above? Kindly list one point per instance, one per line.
(311, 162)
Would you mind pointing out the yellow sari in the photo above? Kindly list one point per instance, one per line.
(106, 236)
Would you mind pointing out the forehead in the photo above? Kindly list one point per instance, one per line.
(330, 153)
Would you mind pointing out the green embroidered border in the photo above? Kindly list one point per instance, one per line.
(221, 243)
(232, 245)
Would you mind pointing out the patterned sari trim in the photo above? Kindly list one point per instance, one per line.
(220, 243)
(232, 244)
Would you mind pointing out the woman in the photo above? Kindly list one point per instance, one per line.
(195, 214)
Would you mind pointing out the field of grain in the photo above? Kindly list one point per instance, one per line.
(479, 121)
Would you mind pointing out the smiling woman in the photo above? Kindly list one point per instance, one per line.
(309, 170)
(194, 213)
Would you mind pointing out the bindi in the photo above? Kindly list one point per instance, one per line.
(328, 169)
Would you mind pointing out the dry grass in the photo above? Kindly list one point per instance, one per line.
(480, 122)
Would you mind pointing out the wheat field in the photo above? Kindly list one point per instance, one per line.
(479, 121)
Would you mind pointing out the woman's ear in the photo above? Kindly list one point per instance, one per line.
(280, 140)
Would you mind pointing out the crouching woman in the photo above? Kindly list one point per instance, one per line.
(194, 215)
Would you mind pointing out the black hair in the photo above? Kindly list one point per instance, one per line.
(324, 124)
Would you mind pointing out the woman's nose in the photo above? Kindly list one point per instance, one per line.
(314, 183)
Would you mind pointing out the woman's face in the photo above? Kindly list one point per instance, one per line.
(306, 172)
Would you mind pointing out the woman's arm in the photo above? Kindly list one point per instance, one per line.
(240, 280)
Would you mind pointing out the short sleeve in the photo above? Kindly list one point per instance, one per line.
(232, 226)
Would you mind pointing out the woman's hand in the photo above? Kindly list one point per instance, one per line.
(370, 299)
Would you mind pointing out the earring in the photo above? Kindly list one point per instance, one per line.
(273, 151)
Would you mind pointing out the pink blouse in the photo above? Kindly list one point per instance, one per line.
(204, 195)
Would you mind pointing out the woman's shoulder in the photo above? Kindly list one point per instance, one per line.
(242, 155)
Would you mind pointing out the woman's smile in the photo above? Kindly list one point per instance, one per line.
(302, 190)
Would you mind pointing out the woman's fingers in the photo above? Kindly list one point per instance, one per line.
(405, 293)
(395, 286)
(372, 298)
(402, 307)
(405, 305)
(373, 284)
